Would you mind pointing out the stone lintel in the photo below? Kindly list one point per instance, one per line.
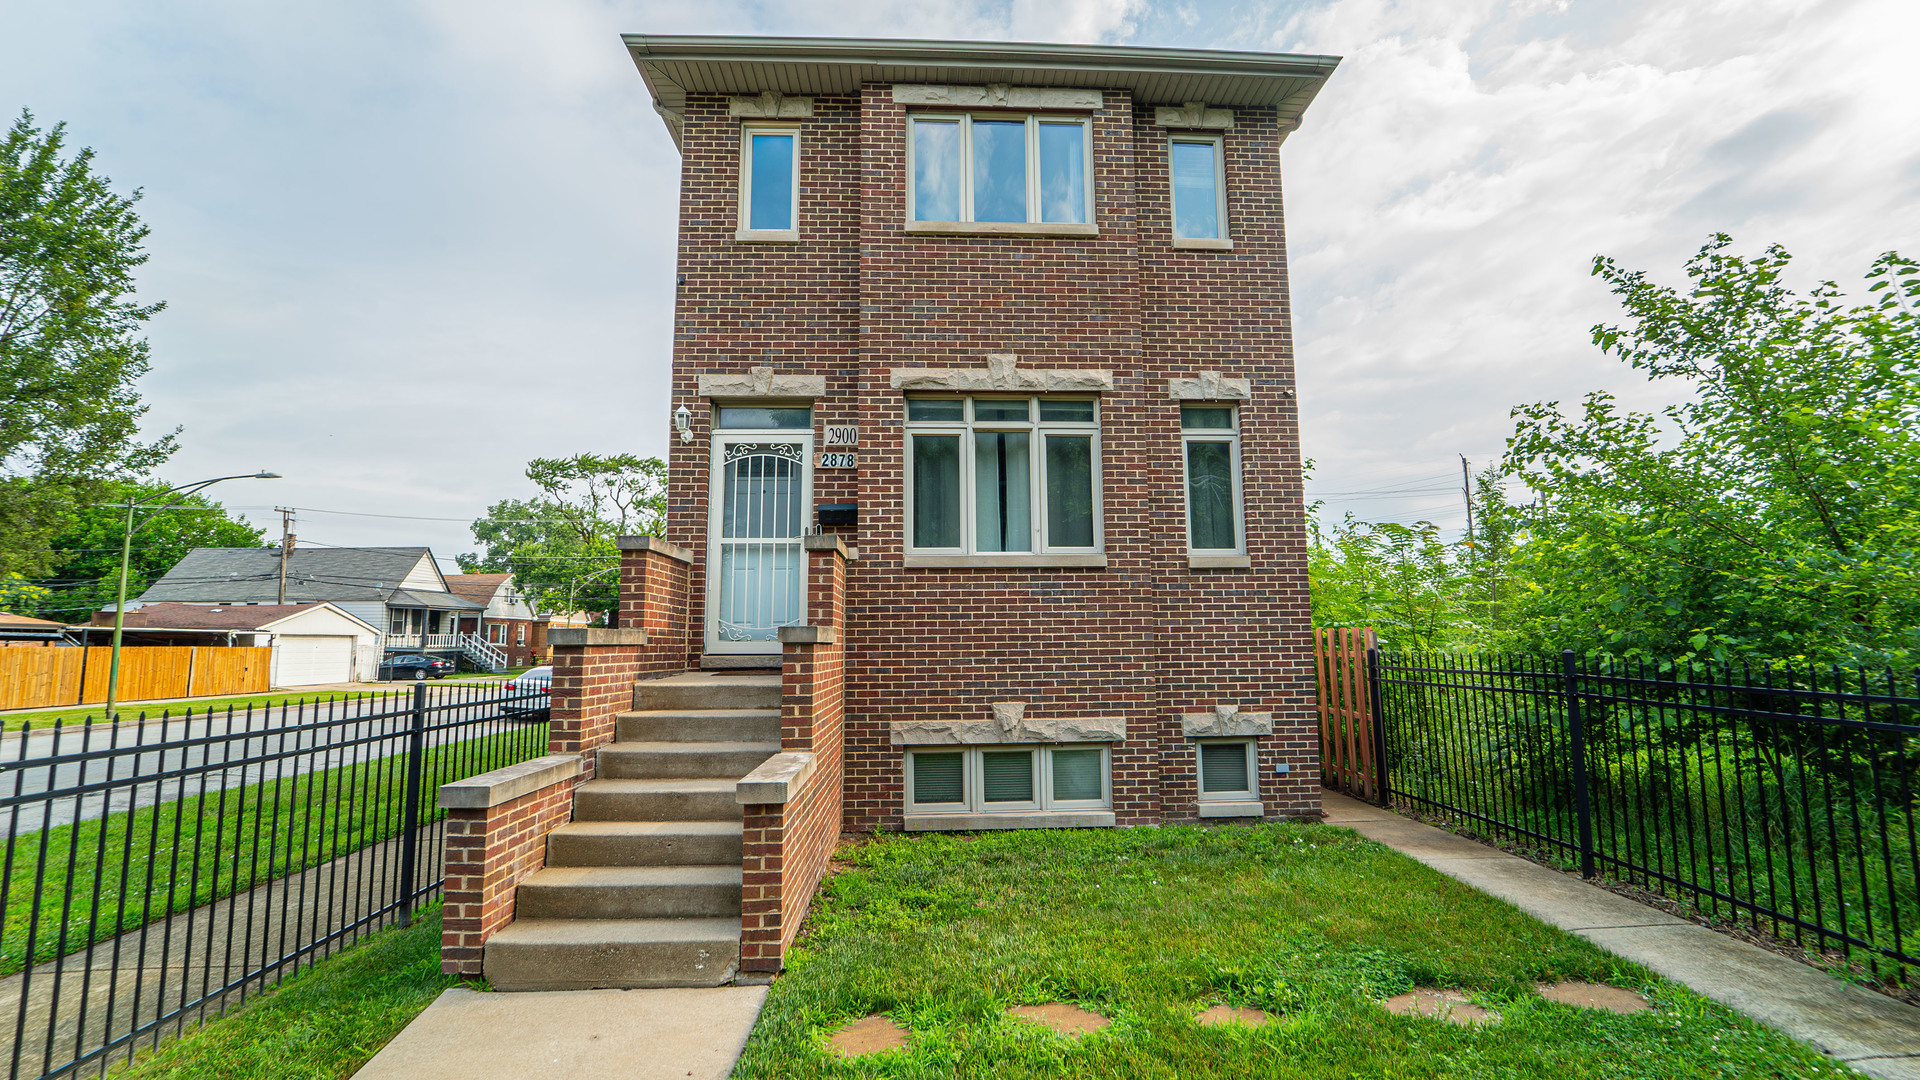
(654, 544)
(1225, 721)
(595, 635)
(1210, 386)
(992, 732)
(776, 781)
(504, 785)
(808, 635)
(1194, 115)
(998, 96)
(763, 383)
(769, 105)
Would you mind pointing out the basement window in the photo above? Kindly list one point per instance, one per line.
(1229, 771)
(1004, 779)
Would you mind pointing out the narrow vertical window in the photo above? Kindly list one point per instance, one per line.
(936, 170)
(1199, 206)
(1000, 475)
(1070, 491)
(769, 183)
(1211, 443)
(936, 491)
(999, 170)
(1063, 172)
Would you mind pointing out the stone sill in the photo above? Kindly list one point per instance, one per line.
(1001, 228)
(1202, 243)
(776, 781)
(1000, 562)
(1026, 819)
(1232, 809)
(1219, 562)
(595, 635)
(505, 785)
(767, 236)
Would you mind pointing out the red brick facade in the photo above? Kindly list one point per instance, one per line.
(1142, 639)
(489, 852)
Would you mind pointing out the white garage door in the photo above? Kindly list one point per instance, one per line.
(312, 659)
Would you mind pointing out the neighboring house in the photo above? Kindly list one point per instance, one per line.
(399, 591)
(509, 622)
(986, 454)
(24, 630)
(312, 643)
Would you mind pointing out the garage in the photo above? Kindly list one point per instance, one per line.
(311, 659)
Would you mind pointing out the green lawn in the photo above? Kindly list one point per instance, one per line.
(320, 1025)
(130, 710)
(179, 854)
(1150, 926)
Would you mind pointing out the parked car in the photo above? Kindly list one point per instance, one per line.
(414, 667)
(530, 690)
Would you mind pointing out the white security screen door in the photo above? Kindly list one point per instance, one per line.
(756, 572)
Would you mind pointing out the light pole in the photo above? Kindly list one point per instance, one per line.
(184, 491)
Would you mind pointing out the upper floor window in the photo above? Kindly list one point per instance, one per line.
(999, 168)
(769, 182)
(1199, 187)
(1003, 475)
(1210, 437)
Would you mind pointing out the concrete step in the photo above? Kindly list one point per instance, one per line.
(629, 892)
(699, 725)
(699, 690)
(656, 800)
(644, 843)
(618, 954)
(654, 760)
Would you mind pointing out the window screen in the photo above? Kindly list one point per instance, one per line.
(1076, 775)
(937, 778)
(1223, 768)
(1007, 775)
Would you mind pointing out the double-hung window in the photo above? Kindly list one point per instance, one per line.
(769, 182)
(988, 779)
(1199, 190)
(996, 168)
(1210, 438)
(1003, 475)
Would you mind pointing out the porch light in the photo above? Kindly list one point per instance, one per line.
(683, 423)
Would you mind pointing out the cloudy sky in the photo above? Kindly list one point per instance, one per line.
(387, 232)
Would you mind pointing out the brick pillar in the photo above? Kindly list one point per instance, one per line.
(497, 826)
(786, 844)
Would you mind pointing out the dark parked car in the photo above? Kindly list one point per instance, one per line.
(415, 667)
(529, 695)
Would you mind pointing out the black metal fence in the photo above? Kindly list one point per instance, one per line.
(1782, 798)
(160, 871)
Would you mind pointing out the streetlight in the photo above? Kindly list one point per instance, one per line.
(184, 491)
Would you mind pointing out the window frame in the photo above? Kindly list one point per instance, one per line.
(1037, 431)
(1230, 436)
(1249, 794)
(973, 780)
(743, 230)
(1225, 239)
(1033, 121)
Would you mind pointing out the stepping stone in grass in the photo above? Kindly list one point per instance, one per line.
(1067, 1019)
(1451, 1005)
(871, 1035)
(1586, 995)
(1230, 1014)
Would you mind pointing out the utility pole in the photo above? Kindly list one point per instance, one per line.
(1466, 492)
(286, 545)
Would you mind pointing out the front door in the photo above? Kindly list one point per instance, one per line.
(756, 572)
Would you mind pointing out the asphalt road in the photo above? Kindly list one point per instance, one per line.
(110, 768)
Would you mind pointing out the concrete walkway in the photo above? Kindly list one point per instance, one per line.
(573, 1035)
(1873, 1033)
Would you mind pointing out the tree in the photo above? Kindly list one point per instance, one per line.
(69, 350)
(1399, 579)
(1774, 512)
(559, 546)
(87, 546)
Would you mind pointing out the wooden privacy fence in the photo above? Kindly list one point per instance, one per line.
(41, 678)
(1349, 735)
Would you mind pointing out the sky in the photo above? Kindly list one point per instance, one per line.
(390, 235)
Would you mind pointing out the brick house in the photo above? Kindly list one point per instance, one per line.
(509, 623)
(986, 477)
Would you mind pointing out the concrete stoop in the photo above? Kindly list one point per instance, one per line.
(642, 888)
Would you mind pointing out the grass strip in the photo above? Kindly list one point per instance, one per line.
(1149, 927)
(131, 711)
(128, 868)
(322, 1024)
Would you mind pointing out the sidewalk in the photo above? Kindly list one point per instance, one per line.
(573, 1035)
(1875, 1034)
